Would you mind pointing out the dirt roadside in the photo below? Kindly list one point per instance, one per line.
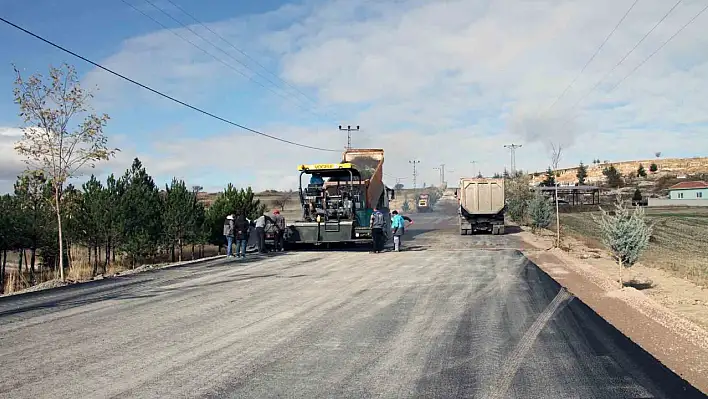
(670, 335)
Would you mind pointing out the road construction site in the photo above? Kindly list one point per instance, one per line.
(450, 316)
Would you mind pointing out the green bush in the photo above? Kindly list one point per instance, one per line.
(626, 234)
(540, 212)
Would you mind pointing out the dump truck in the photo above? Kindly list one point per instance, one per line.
(482, 205)
(338, 201)
(423, 203)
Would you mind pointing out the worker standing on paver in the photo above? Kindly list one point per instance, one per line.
(377, 226)
(229, 234)
(398, 225)
(279, 222)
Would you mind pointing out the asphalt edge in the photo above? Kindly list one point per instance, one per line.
(25, 294)
(570, 263)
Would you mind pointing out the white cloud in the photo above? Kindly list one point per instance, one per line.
(445, 82)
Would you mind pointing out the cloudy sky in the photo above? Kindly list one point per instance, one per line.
(443, 82)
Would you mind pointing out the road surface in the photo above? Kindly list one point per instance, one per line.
(451, 317)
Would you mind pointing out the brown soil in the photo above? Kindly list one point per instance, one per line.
(669, 319)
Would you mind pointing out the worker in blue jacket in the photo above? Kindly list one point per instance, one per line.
(398, 226)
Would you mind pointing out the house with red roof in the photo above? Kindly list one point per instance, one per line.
(689, 190)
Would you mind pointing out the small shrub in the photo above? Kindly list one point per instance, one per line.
(540, 212)
(626, 234)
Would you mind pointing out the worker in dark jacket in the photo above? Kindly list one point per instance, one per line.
(241, 235)
(279, 222)
(377, 234)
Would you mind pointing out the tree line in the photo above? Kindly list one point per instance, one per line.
(126, 219)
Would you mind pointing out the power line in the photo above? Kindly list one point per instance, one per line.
(593, 56)
(208, 53)
(660, 47)
(653, 53)
(625, 56)
(238, 49)
(159, 92)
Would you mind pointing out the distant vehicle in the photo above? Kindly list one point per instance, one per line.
(423, 203)
(482, 205)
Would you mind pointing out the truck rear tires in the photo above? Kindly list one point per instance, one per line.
(497, 229)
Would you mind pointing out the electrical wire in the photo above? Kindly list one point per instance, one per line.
(593, 56)
(190, 15)
(226, 64)
(625, 57)
(159, 93)
(698, 14)
(660, 47)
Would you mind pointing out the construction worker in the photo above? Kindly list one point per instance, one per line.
(398, 225)
(229, 234)
(260, 232)
(241, 234)
(279, 222)
(377, 234)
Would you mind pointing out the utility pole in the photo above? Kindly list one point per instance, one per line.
(415, 172)
(442, 173)
(558, 224)
(349, 134)
(473, 168)
(512, 148)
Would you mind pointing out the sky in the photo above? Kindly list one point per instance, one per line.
(440, 82)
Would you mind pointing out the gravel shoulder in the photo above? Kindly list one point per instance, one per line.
(670, 335)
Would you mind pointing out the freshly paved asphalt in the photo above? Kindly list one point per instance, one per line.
(453, 316)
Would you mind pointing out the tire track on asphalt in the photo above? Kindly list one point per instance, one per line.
(501, 384)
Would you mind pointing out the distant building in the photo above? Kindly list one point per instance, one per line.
(689, 190)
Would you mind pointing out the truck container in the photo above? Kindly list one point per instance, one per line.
(482, 205)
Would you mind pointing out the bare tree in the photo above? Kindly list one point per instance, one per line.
(283, 199)
(47, 108)
(556, 152)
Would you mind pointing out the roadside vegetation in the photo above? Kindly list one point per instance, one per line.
(52, 229)
(676, 240)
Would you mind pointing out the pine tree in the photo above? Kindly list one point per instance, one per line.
(140, 213)
(10, 231)
(406, 206)
(540, 212)
(480, 175)
(550, 179)
(582, 173)
(641, 172)
(33, 193)
(178, 215)
(614, 179)
(637, 197)
(93, 219)
(626, 234)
